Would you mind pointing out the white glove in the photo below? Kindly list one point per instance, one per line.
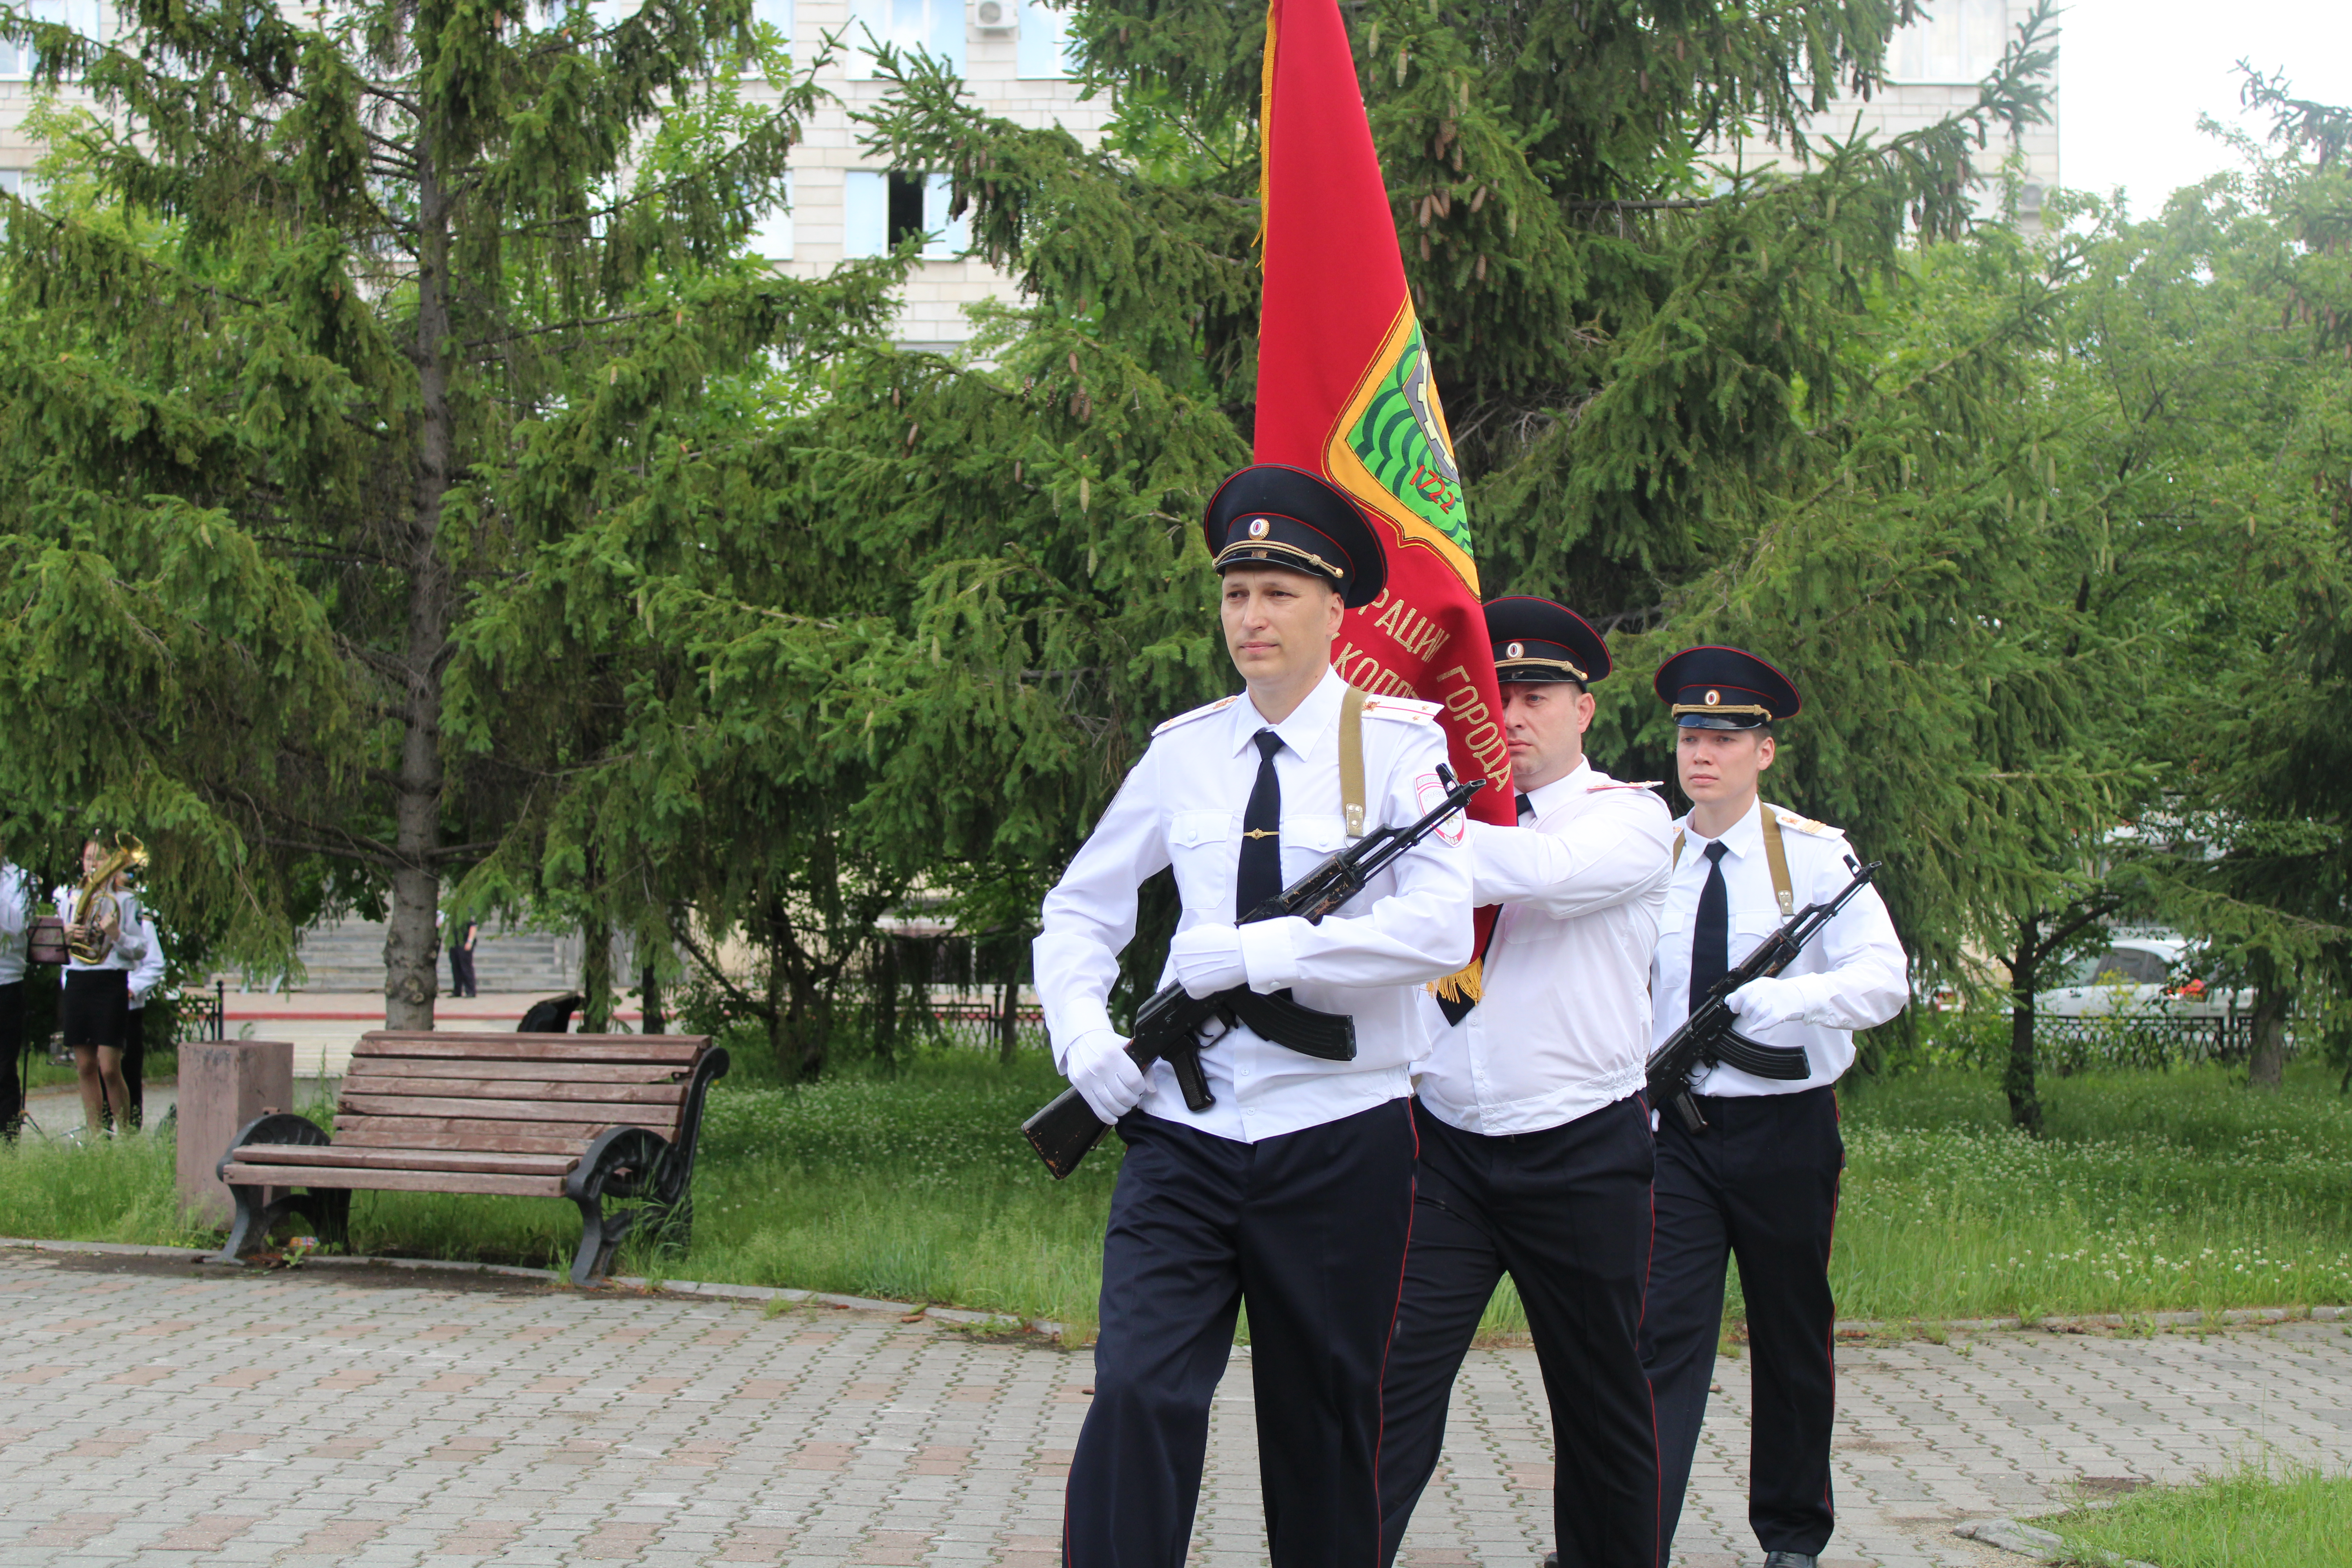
(1209, 960)
(1769, 1003)
(1099, 1068)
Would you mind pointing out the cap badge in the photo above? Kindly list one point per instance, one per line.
(1258, 526)
(1512, 650)
(1713, 697)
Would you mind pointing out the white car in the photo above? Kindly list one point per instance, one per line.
(2148, 975)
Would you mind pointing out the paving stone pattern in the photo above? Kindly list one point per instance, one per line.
(155, 1413)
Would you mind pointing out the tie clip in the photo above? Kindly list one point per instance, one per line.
(1263, 832)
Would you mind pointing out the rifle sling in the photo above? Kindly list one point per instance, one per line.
(1776, 858)
(1351, 760)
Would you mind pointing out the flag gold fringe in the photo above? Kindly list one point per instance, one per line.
(1266, 132)
(1463, 982)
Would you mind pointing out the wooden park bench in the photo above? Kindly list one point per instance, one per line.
(584, 1117)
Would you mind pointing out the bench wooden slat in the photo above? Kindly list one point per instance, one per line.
(536, 1071)
(385, 1159)
(485, 1137)
(240, 1174)
(455, 1087)
(608, 1112)
(681, 1049)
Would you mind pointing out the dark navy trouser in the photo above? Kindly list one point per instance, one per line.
(1566, 1213)
(1761, 1183)
(1308, 1230)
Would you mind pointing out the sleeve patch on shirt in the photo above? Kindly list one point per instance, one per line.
(1218, 706)
(1401, 709)
(1429, 790)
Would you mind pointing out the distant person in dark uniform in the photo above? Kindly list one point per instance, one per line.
(145, 976)
(1760, 1182)
(461, 960)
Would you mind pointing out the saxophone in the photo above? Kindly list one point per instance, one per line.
(86, 938)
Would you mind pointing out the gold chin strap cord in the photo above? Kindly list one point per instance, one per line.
(1351, 760)
(1776, 857)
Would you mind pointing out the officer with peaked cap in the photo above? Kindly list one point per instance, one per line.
(1292, 1193)
(1760, 1182)
(1535, 1141)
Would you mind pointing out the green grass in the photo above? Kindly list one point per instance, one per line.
(2251, 1520)
(2150, 1192)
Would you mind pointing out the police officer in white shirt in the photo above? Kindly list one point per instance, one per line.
(1535, 1140)
(1761, 1181)
(15, 928)
(1293, 1192)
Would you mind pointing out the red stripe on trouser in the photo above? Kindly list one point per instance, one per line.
(1380, 1396)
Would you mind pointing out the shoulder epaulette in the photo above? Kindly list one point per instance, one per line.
(1218, 706)
(1806, 823)
(1403, 709)
(1623, 784)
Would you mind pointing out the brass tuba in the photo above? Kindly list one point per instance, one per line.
(86, 940)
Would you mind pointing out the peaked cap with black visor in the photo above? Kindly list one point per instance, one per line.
(1538, 640)
(1725, 689)
(1272, 514)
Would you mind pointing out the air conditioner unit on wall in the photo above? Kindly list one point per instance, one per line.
(996, 16)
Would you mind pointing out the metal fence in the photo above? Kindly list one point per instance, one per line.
(2064, 1044)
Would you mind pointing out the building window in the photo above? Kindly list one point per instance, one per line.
(933, 27)
(1046, 46)
(1961, 42)
(17, 182)
(771, 238)
(880, 212)
(91, 18)
(777, 13)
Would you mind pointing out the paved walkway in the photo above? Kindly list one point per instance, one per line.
(160, 1413)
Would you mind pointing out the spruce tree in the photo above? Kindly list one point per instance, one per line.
(271, 443)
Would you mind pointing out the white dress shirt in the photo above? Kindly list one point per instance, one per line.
(15, 921)
(1562, 1025)
(1852, 976)
(130, 941)
(1182, 805)
(148, 973)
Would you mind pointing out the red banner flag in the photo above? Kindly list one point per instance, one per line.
(1345, 390)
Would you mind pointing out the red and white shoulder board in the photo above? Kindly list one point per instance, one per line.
(1403, 709)
(1218, 706)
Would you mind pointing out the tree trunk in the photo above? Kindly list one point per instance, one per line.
(649, 995)
(410, 966)
(883, 985)
(2266, 1067)
(595, 978)
(2017, 1081)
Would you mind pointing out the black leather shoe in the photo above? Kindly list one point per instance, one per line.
(1551, 1560)
(1791, 1559)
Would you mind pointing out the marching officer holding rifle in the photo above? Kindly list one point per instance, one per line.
(1535, 1140)
(1291, 1189)
(1758, 1178)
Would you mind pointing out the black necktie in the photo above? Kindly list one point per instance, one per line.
(1259, 876)
(1527, 805)
(1711, 937)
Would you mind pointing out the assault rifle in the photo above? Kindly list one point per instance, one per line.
(1166, 1026)
(1707, 1035)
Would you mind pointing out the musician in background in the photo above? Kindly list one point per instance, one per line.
(106, 936)
(145, 976)
(15, 923)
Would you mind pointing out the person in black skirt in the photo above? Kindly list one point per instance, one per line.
(145, 976)
(96, 1014)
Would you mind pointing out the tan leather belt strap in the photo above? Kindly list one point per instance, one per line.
(1351, 760)
(1776, 856)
